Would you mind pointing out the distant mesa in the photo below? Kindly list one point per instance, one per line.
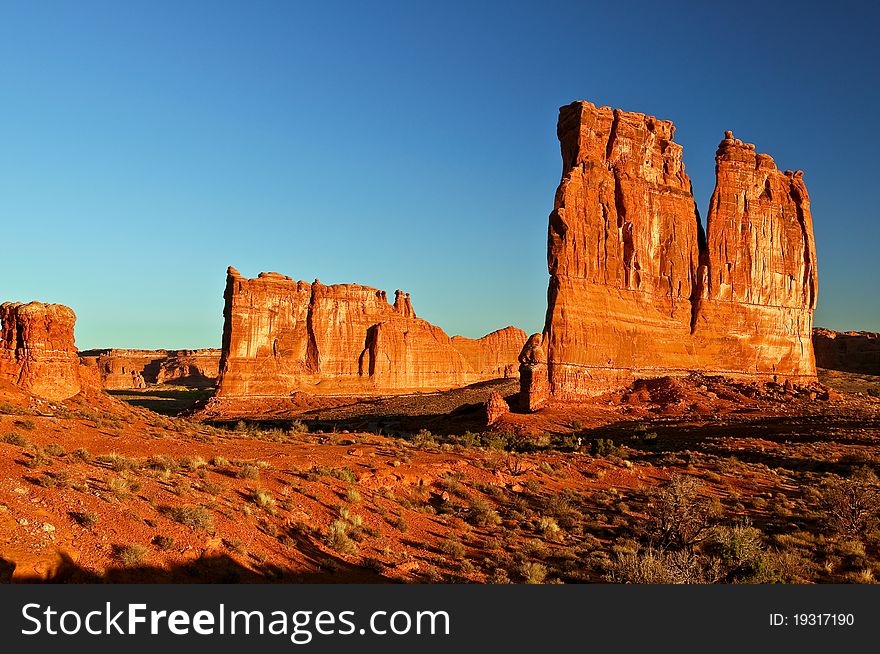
(124, 369)
(37, 350)
(639, 290)
(282, 336)
(857, 352)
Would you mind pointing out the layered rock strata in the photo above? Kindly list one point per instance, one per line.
(37, 350)
(282, 336)
(122, 369)
(848, 351)
(496, 408)
(638, 289)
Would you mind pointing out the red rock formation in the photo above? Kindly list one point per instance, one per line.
(130, 369)
(495, 354)
(281, 336)
(496, 407)
(848, 351)
(637, 289)
(37, 351)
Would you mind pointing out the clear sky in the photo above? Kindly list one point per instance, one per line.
(145, 146)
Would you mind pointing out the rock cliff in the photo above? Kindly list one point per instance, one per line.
(638, 289)
(281, 336)
(848, 351)
(122, 369)
(37, 350)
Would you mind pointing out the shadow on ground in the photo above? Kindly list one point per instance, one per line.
(166, 401)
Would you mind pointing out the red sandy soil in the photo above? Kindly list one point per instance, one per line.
(416, 510)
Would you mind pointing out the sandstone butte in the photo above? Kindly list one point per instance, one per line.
(282, 336)
(37, 350)
(847, 351)
(638, 289)
(128, 369)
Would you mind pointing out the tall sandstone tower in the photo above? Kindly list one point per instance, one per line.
(637, 289)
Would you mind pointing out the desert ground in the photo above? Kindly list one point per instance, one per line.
(697, 479)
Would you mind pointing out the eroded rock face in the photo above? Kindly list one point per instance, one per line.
(37, 350)
(637, 289)
(122, 369)
(496, 407)
(848, 351)
(281, 336)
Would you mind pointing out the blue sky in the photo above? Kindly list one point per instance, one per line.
(146, 146)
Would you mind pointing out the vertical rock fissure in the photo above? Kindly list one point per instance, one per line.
(744, 313)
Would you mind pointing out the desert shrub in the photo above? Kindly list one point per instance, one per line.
(740, 548)
(27, 425)
(337, 537)
(38, 459)
(212, 488)
(14, 438)
(399, 523)
(603, 447)
(220, 462)
(451, 483)
(130, 555)
(12, 410)
(678, 516)
(353, 496)
(653, 566)
(482, 514)
(197, 517)
(549, 528)
(344, 474)
(263, 499)
(514, 464)
(248, 471)
(499, 576)
(182, 487)
(54, 449)
(192, 462)
(452, 548)
(535, 548)
(161, 463)
(424, 438)
(163, 543)
(117, 462)
(298, 427)
(852, 505)
(122, 487)
(82, 454)
(533, 573)
(85, 518)
(54, 479)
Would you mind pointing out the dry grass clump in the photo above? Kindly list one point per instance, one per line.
(197, 517)
(263, 499)
(130, 555)
(86, 519)
(14, 438)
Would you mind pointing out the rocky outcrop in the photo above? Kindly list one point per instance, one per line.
(282, 336)
(495, 354)
(496, 408)
(122, 369)
(857, 352)
(637, 289)
(37, 350)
